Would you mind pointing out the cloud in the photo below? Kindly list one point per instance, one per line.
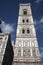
(41, 53)
(38, 21)
(41, 20)
(7, 27)
(39, 25)
(38, 1)
(35, 23)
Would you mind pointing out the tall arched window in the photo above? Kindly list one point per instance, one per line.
(23, 30)
(28, 30)
(23, 20)
(25, 11)
(27, 21)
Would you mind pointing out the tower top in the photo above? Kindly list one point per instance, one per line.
(25, 8)
(26, 4)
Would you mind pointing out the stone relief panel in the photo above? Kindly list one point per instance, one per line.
(26, 52)
(25, 45)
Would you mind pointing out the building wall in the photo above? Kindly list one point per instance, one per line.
(8, 55)
(23, 63)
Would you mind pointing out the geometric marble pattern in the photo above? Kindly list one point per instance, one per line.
(26, 50)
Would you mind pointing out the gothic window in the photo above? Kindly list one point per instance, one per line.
(23, 20)
(28, 31)
(23, 30)
(27, 21)
(25, 12)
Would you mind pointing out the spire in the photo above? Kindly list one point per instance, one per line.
(0, 26)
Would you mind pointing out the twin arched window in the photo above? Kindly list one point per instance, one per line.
(26, 20)
(23, 30)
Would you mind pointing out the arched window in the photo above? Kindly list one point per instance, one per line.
(23, 30)
(28, 31)
(23, 20)
(27, 21)
(25, 11)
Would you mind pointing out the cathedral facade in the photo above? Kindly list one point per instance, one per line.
(26, 50)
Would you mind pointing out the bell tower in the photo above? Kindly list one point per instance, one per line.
(26, 50)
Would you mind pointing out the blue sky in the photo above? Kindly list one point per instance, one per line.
(9, 14)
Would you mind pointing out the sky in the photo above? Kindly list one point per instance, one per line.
(9, 10)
